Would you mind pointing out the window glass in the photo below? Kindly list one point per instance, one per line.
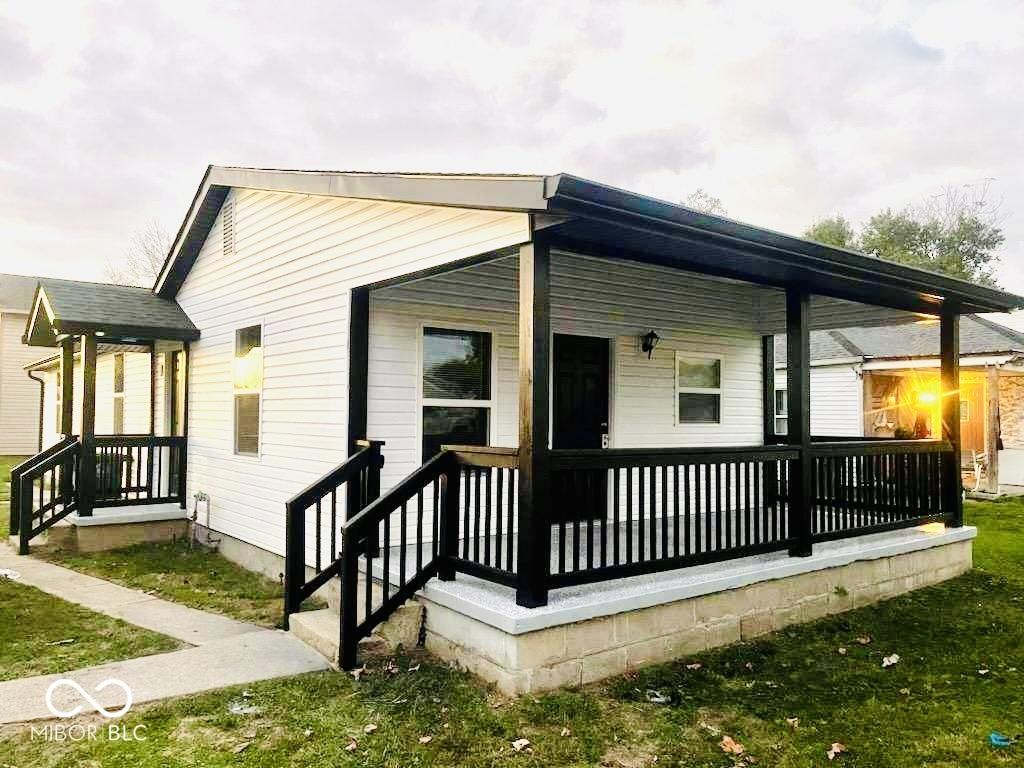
(456, 379)
(696, 408)
(781, 402)
(456, 365)
(701, 373)
(248, 385)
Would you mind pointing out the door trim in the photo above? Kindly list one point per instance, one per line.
(613, 346)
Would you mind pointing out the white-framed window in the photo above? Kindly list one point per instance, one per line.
(698, 388)
(456, 388)
(781, 411)
(248, 389)
(119, 394)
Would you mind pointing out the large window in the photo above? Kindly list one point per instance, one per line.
(781, 412)
(698, 389)
(456, 388)
(248, 385)
(119, 393)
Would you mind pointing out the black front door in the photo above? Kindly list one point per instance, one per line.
(579, 420)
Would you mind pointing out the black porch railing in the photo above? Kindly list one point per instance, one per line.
(129, 470)
(139, 469)
(614, 513)
(44, 490)
(867, 487)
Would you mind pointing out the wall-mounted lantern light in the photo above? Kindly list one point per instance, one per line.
(648, 342)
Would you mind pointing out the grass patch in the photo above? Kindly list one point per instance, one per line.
(932, 708)
(196, 577)
(6, 464)
(35, 629)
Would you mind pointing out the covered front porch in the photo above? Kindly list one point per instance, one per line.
(106, 481)
(577, 483)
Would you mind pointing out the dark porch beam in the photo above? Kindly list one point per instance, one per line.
(768, 387)
(798, 418)
(534, 556)
(87, 463)
(949, 355)
(67, 386)
(358, 380)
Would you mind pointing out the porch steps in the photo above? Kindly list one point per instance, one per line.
(320, 630)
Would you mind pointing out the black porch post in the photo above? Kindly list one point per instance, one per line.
(534, 419)
(949, 353)
(87, 463)
(358, 374)
(67, 386)
(768, 387)
(798, 405)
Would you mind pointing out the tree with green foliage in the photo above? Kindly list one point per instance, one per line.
(957, 233)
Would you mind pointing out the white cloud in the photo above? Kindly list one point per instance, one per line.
(109, 112)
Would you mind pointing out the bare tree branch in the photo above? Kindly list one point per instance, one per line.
(143, 258)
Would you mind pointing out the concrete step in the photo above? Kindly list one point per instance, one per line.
(321, 631)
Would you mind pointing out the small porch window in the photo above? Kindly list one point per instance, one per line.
(781, 423)
(698, 389)
(248, 386)
(456, 387)
(119, 394)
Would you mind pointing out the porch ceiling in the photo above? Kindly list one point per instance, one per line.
(118, 313)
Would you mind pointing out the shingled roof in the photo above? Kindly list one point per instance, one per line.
(117, 311)
(16, 292)
(978, 336)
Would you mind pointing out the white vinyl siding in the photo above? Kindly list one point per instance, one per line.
(295, 259)
(837, 395)
(19, 395)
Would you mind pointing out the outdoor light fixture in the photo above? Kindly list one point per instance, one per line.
(648, 342)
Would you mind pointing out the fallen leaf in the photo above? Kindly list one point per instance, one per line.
(352, 746)
(864, 639)
(841, 650)
(888, 661)
(712, 729)
(905, 691)
(793, 722)
(657, 697)
(426, 739)
(520, 744)
(749, 665)
(68, 641)
(308, 732)
(359, 672)
(730, 746)
(415, 668)
(369, 728)
(836, 749)
(566, 732)
(695, 666)
(982, 671)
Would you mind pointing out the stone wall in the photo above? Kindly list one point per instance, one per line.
(588, 651)
(1011, 410)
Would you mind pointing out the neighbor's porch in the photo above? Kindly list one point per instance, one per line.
(95, 480)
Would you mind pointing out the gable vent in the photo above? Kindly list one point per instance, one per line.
(228, 226)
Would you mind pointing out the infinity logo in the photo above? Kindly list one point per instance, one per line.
(57, 712)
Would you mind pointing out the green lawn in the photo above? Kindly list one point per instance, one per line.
(196, 577)
(6, 463)
(41, 634)
(935, 707)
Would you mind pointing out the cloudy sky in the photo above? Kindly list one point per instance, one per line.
(110, 112)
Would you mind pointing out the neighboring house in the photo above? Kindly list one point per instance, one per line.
(530, 402)
(884, 382)
(19, 394)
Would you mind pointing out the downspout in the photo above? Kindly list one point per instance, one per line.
(42, 404)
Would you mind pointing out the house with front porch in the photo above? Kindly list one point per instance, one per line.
(883, 382)
(539, 407)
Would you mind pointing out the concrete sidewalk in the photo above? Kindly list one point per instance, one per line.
(261, 655)
(172, 619)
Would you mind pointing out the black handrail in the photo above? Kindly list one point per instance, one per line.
(369, 534)
(47, 492)
(361, 472)
(19, 469)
